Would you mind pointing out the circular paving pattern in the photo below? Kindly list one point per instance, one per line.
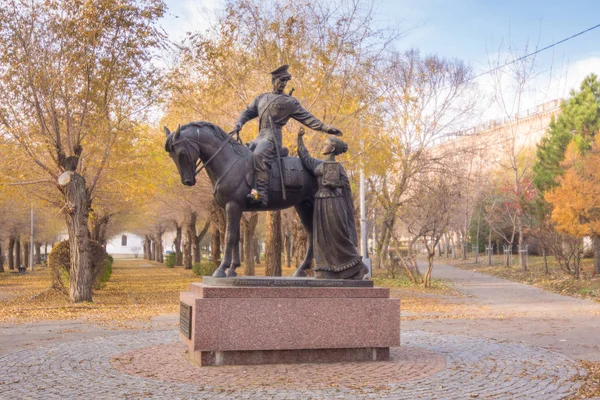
(448, 367)
(168, 362)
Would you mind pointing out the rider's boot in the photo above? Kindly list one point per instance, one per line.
(262, 184)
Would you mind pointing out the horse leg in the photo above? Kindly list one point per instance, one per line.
(305, 212)
(233, 213)
(234, 217)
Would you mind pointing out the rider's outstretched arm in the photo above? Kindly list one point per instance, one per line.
(300, 114)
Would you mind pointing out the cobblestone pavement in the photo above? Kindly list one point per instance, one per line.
(474, 368)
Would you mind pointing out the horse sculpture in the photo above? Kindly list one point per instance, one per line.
(228, 164)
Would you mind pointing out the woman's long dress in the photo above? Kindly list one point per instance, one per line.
(334, 230)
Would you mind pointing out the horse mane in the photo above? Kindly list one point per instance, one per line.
(219, 133)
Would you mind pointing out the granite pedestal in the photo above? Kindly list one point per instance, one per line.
(241, 321)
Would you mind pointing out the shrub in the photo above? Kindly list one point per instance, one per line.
(60, 265)
(204, 268)
(58, 261)
(170, 260)
(104, 272)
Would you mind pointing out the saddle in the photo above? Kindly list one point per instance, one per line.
(292, 173)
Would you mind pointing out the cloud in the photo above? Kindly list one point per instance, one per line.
(542, 86)
(579, 70)
(189, 16)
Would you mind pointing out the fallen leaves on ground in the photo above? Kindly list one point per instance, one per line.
(139, 290)
(590, 387)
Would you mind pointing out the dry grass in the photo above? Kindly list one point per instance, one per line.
(139, 290)
(556, 280)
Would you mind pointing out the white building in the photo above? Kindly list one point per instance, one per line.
(125, 245)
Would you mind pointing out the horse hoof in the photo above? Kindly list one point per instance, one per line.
(300, 273)
(231, 273)
(219, 273)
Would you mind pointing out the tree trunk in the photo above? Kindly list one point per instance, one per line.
(522, 254)
(596, 248)
(177, 245)
(155, 251)
(189, 224)
(273, 244)
(147, 247)
(160, 251)
(77, 208)
(299, 240)
(199, 237)
(427, 278)
(38, 253)
(256, 251)
(1, 258)
(546, 271)
(249, 227)
(287, 240)
(241, 244)
(18, 252)
(98, 228)
(215, 245)
(11, 252)
(26, 246)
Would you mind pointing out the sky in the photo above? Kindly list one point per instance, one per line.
(474, 31)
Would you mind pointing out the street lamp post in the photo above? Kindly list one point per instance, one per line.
(31, 243)
(363, 220)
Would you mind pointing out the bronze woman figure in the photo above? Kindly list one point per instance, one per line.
(334, 230)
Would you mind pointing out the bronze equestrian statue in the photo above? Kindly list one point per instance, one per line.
(230, 166)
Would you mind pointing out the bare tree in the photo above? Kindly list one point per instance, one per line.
(426, 100)
(513, 79)
(428, 214)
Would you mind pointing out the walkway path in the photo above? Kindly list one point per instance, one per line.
(523, 313)
(516, 342)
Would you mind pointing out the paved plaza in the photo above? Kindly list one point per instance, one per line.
(523, 355)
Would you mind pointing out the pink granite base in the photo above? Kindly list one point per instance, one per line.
(263, 325)
(259, 357)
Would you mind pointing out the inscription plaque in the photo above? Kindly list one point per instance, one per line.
(269, 281)
(185, 319)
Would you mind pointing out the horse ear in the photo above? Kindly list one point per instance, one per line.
(167, 131)
(177, 132)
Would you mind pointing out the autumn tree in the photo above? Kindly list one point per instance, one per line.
(578, 121)
(76, 77)
(576, 200)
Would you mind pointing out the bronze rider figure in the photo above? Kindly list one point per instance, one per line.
(274, 109)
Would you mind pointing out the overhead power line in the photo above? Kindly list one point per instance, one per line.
(538, 51)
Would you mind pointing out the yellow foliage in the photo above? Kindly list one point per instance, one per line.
(576, 201)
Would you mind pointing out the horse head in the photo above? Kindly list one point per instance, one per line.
(185, 152)
(199, 142)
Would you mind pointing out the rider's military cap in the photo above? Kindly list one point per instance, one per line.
(281, 72)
